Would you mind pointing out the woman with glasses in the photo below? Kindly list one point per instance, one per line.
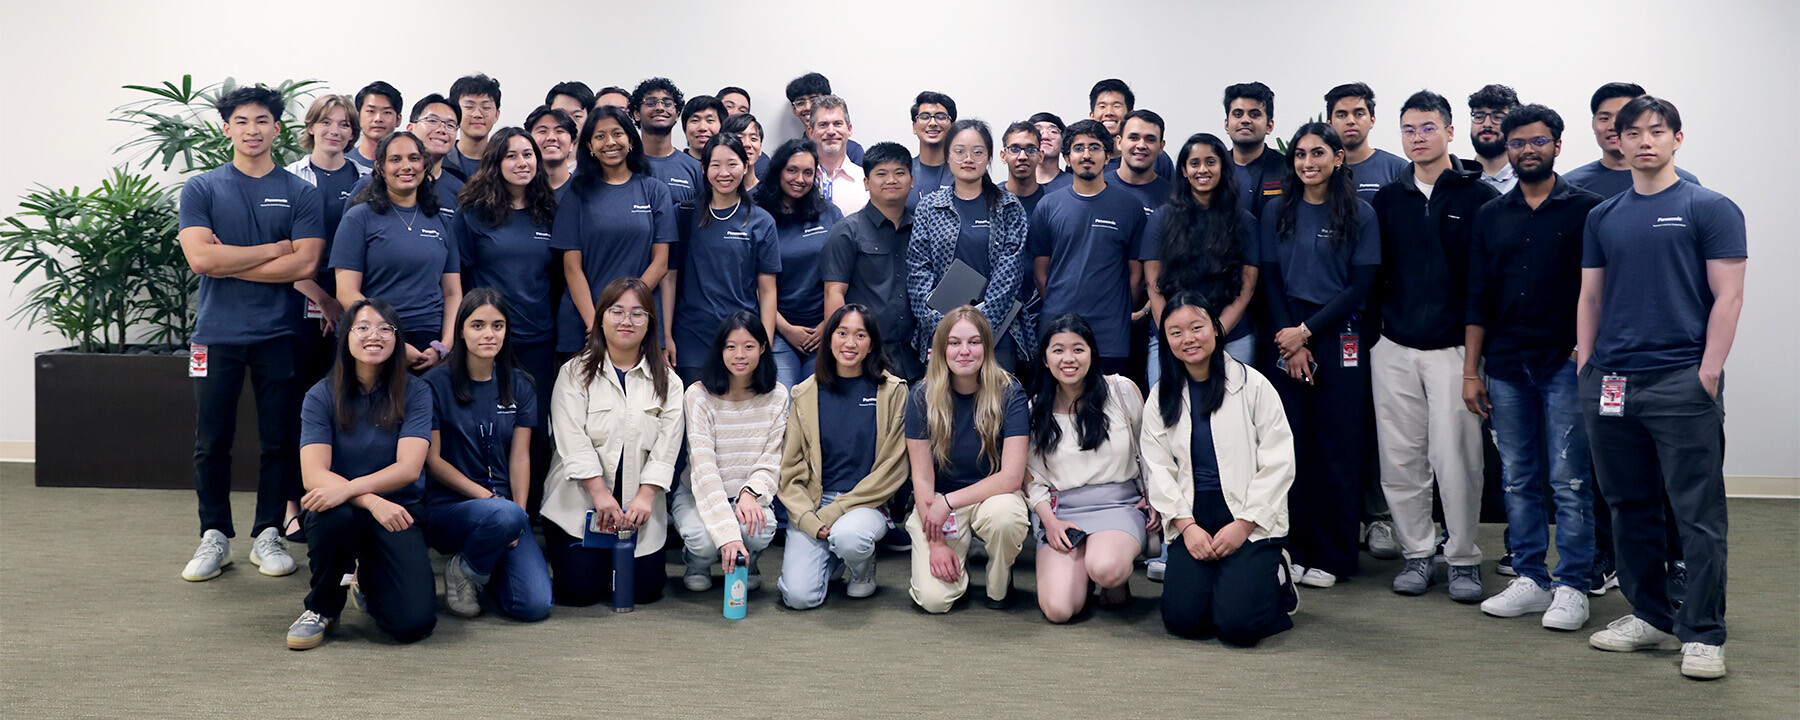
(616, 421)
(480, 458)
(732, 259)
(803, 220)
(364, 435)
(977, 224)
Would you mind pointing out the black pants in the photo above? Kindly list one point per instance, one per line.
(1670, 439)
(539, 359)
(317, 353)
(581, 576)
(392, 569)
(274, 378)
(1330, 420)
(1603, 529)
(1238, 599)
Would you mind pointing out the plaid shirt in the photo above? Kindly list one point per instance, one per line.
(933, 249)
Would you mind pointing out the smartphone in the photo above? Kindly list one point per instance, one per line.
(1312, 366)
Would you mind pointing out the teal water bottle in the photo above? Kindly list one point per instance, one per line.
(737, 590)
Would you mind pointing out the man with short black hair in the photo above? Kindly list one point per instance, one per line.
(840, 179)
(735, 99)
(1141, 141)
(1050, 170)
(1085, 243)
(801, 92)
(377, 114)
(556, 134)
(1423, 428)
(1350, 108)
(656, 104)
(572, 97)
(1020, 147)
(932, 115)
(1249, 118)
(613, 95)
(1109, 101)
(1611, 174)
(1662, 284)
(701, 119)
(477, 97)
(435, 120)
(249, 229)
(864, 259)
(1487, 110)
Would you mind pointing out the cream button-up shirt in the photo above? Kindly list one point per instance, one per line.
(620, 432)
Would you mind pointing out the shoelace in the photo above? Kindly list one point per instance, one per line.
(1702, 650)
(265, 545)
(212, 549)
(1564, 601)
(311, 618)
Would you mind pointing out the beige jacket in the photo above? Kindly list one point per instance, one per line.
(1255, 451)
(594, 425)
(802, 477)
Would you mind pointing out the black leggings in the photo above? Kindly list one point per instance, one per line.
(1330, 419)
(392, 569)
(1237, 599)
(581, 576)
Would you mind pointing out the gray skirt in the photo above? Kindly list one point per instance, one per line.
(1107, 506)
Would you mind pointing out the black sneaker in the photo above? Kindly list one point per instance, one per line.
(1605, 576)
(896, 540)
(1290, 591)
(1677, 583)
(1505, 567)
(1006, 601)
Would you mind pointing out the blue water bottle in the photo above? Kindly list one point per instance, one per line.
(737, 588)
(624, 563)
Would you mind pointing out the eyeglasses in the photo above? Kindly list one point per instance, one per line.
(635, 317)
(805, 101)
(659, 102)
(1087, 148)
(928, 117)
(978, 153)
(1484, 116)
(434, 122)
(1026, 150)
(364, 329)
(1517, 143)
(1423, 131)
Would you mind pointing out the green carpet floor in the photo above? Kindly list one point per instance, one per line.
(96, 622)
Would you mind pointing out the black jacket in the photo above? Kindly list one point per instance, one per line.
(1423, 289)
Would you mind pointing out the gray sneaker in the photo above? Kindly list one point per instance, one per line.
(1382, 544)
(461, 592)
(213, 554)
(1416, 577)
(270, 555)
(307, 632)
(1465, 583)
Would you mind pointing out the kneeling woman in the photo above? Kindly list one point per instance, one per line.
(966, 426)
(834, 484)
(364, 434)
(481, 460)
(615, 420)
(1084, 484)
(736, 419)
(1220, 460)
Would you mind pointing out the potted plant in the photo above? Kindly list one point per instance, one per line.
(116, 409)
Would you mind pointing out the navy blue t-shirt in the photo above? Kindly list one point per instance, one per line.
(1062, 180)
(681, 172)
(928, 179)
(1029, 201)
(476, 438)
(1219, 288)
(1090, 241)
(334, 191)
(404, 266)
(244, 211)
(847, 436)
(723, 261)
(364, 448)
(615, 227)
(1607, 182)
(1380, 169)
(972, 238)
(1151, 195)
(514, 258)
(456, 162)
(1201, 452)
(967, 465)
(1315, 267)
(1165, 166)
(800, 295)
(1656, 300)
(356, 156)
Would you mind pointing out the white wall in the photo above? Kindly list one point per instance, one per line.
(1730, 66)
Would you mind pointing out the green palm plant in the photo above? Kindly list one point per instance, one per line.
(179, 127)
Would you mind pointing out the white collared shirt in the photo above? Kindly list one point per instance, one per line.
(844, 187)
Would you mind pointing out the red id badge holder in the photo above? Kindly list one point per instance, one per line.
(1349, 349)
(197, 361)
(1612, 396)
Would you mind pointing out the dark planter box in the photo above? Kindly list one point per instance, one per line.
(126, 421)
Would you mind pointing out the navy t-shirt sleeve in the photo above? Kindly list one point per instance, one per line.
(437, 380)
(1151, 247)
(1367, 250)
(768, 250)
(565, 233)
(1037, 233)
(1134, 247)
(662, 209)
(309, 210)
(418, 412)
(316, 415)
(1722, 233)
(351, 246)
(196, 202)
(915, 414)
(1592, 254)
(525, 396)
(453, 246)
(1252, 235)
(1018, 417)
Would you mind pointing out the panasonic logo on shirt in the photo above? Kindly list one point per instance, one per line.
(815, 230)
(680, 182)
(540, 235)
(979, 223)
(1675, 221)
(1104, 224)
(512, 409)
(275, 202)
(447, 213)
(1368, 186)
(737, 235)
(427, 232)
(866, 402)
(641, 209)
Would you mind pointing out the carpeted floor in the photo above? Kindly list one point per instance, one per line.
(96, 622)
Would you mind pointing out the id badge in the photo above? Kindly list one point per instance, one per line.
(1612, 396)
(313, 312)
(197, 361)
(1349, 350)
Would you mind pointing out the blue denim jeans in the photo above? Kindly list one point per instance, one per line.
(1533, 421)
(483, 531)
(791, 366)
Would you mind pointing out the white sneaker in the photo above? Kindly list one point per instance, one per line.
(461, 592)
(1382, 543)
(1568, 609)
(1155, 569)
(1521, 596)
(1630, 634)
(696, 582)
(1314, 577)
(864, 585)
(214, 553)
(270, 555)
(1702, 661)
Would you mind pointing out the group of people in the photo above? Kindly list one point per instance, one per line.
(1112, 353)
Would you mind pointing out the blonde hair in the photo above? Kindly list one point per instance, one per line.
(990, 399)
(319, 110)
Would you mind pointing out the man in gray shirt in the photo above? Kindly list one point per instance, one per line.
(864, 260)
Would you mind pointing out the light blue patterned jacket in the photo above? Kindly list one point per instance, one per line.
(933, 249)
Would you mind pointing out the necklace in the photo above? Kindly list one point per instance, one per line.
(409, 221)
(726, 216)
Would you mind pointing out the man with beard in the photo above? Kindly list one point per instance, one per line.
(1611, 174)
(1524, 282)
(477, 97)
(1084, 241)
(555, 133)
(377, 113)
(1487, 110)
(932, 115)
(1350, 108)
(655, 104)
(1249, 118)
(1110, 102)
(1141, 141)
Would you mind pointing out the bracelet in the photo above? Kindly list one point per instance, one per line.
(946, 501)
(1471, 377)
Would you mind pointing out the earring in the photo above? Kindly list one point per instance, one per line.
(1340, 166)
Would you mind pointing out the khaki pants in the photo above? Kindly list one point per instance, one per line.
(1424, 430)
(1001, 521)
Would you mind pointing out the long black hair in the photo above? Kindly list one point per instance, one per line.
(989, 191)
(1173, 386)
(376, 192)
(486, 193)
(771, 196)
(716, 378)
(703, 204)
(649, 351)
(1203, 245)
(589, 173)
(505, 363)
(1090, 406)
(387, 399)
(1340, 188)
(874, 361)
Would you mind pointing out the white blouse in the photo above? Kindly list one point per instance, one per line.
(1116, 460)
